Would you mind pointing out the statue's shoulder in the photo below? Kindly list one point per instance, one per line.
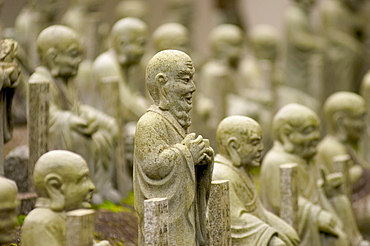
(214, 68)
(40, 75)
(106, 63)
(150, 119)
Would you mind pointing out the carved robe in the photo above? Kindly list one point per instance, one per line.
(43, 226)
(251, 223)
(158, 145)
(311, 201)
(97, 149)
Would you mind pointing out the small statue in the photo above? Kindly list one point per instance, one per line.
(168, 161)
(62, 182)
(74, 126)
(128, 37)
(171, 36)
(8, 208)
(132, 8)
(9, 80)
(345, 117)
(296, 133)
(301, 43)
(239, 140)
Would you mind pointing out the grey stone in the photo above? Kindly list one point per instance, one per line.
(16, 167)
(156, 222)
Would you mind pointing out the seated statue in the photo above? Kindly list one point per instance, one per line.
(296, 134)
(62, 183)
(74, 126)
(168, 161)
(8, 207)
(239, 141)
(128, 37)
(345, 117)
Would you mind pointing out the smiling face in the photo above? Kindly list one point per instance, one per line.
(180, 87)
(77, 187)
(305, 138)
(68, 60)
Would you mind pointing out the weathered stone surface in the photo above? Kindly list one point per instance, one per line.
(80, 227)
(156, 222)
(219, 214)
(289, 194)
(341, 165)
(16, 167)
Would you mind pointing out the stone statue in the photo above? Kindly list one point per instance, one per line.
(296, 133)
(345, 117)
(132, 8)
(239, 141)
(219, 77)
(171, 36)
(62, 183)
(8, 207)
(74, 126)
(301, 43)
(168, 161)
(9, 80)
(128, 37)
(342, 29)
(180, 11)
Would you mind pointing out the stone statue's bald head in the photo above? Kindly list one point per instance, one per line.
(127, 26)
(8, 205)
(132, 8)
(293, 115)
(225, 33)
(169, 62)
(59, 162)
(56, 37)
(171, 36)
(343, 104)
(264, 41)
(235, 127)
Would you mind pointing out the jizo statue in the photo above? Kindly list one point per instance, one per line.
(240, 146)
(62, 182)
(72, 125)
(168, 160)
(296, 134)
(8, 207)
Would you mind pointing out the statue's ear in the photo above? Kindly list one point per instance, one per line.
(338, 121)
(285, 138)
(232, 149)
(161, 81)
(53, 185)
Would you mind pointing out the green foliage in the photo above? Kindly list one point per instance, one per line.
(107, 205)
(129, 200)
(20, 219)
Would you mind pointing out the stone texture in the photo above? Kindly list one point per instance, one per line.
(80, 227)
(16, 167)
(289, 194)
(341, 165)
(38, 120)
(156, 222)
(219, 214)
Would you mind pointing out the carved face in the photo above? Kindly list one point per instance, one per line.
(251, 147)
(8, 218)
(66, 61)
(180, 87)
(305, 138)
(130, 47)
(354, 123)
(77, 187)
(232, 49)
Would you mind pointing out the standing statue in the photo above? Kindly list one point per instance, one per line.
(128, 37)
(296, 133)
(62, 183)
(342, 29)
(8, 208)
(219, 78)
(301, 43)
(168, 161)
(9, 80)
(74, 126)
(345, 117)
(239, 141)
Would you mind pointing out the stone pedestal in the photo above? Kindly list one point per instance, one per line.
(219, 214)
(156, 222)
(80, 227)
(38, 124)
(289, 194)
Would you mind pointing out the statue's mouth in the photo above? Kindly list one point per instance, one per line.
(189, 98)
